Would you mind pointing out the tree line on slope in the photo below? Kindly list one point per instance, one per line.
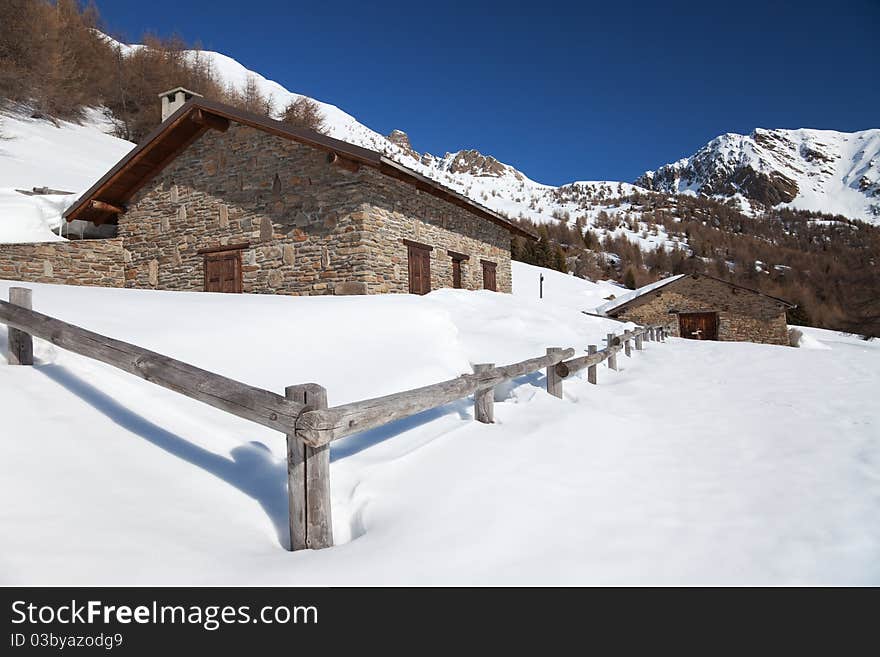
(827, 265)
(55, 59)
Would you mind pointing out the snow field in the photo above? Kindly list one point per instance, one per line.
(705, 463)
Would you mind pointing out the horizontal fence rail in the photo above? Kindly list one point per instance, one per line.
(260, 406)
(303, 414)
(320, 427)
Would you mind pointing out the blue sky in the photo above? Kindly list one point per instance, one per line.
(562, 90)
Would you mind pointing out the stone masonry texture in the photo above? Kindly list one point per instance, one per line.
(743, 315)
(75, 262)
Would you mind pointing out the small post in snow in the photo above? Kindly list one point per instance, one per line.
(541, 286)
(484, 399)
(591, 370)
(21, 344)
(639, 336)
(612, 357)
(308, 479)
(554, 381)
(627, 347)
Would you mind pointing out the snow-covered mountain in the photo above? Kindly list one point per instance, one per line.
(812, 169)
(821, 170)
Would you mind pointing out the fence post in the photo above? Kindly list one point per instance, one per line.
(308, 479)
(627, 347)
(591, 370)
(554, 381)
(484, 399)
(639, 345)
(612, 357)
(21, 344)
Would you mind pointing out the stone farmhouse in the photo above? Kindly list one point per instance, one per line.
(702, 307)
(221, 200)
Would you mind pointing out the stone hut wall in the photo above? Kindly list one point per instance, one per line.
(297, 213)
(73, 262)
(396, 211)
(310, 227)
(742, 315)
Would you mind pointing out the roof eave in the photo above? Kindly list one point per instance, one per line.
(71, 212)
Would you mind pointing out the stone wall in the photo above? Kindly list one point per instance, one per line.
(742, 315)
(397, 211)
(310, 227)
(296, 212)
(74, 262)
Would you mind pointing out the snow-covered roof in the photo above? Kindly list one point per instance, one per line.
(605, 308)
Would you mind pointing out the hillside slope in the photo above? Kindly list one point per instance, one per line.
(64, 156)
(700, 463)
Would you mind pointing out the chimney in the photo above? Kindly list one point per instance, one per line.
(173, 100)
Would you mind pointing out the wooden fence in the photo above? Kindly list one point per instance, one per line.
(303, 413)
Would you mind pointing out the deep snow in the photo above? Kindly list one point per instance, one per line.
(706, 463)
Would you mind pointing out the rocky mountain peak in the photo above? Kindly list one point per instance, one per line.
(400, 139)
(820, 170)
(473, 162)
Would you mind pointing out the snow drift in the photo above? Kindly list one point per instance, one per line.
(707, 463)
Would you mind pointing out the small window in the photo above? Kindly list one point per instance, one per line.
(489, 275)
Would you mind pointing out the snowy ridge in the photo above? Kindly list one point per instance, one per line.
(820, 170)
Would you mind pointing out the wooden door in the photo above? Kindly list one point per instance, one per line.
(419, 269)
(223, 271)
(489, 275)
(698, 326)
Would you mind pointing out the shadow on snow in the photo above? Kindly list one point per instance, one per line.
(252, 469)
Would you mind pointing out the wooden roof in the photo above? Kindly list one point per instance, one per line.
(672, 280)
(108, 196)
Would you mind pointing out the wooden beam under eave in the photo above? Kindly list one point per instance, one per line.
(343, 162)
(103, 206)
(210, 120)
